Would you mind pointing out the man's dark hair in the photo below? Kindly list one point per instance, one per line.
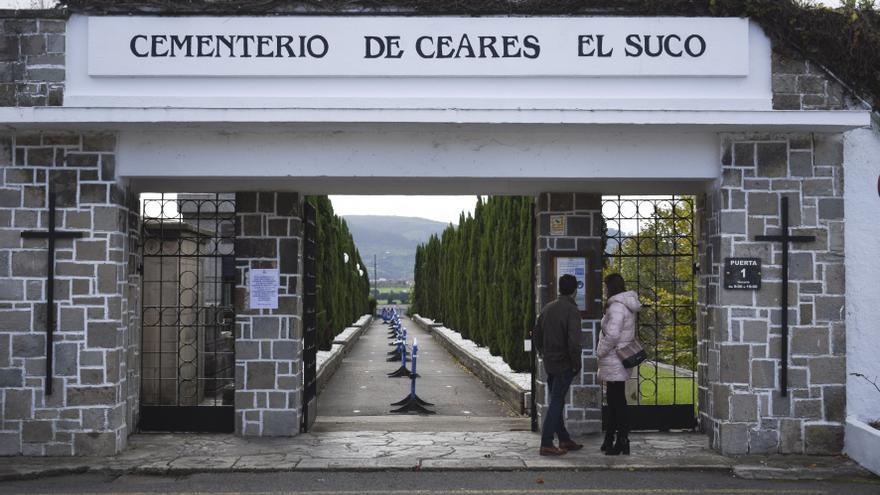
(567, 285)
(614, 284)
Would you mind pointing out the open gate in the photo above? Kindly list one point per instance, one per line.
(310, 317)
(650, 241)
(188, 317)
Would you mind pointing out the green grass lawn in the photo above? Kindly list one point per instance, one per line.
(386, 290)
(670, 389)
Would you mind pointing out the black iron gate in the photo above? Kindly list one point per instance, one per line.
(310, 317)
(188, 317)
(650, 241)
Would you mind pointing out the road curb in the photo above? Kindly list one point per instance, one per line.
(751, 472)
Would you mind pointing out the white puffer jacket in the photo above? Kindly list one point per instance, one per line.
(618, 328)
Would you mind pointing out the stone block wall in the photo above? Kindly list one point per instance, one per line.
(268, 343)
(740, 331)
(96, 297)
(32, 67)
(799, 84)
(585, 230)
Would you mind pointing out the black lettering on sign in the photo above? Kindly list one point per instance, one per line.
(531, 47)
(179, 43)
(444, 47)
(695, 45)
(487, 44)
(321, 43)
(134, 49)
(283, 45)
(420, 47)
(205, 45)
(511, 47)
(669, 45)
(237, 46)
(586, 49)
(633, 46)
(264, 46)
(158, 41)
(377, 46)
(465, 44)
(229, 43)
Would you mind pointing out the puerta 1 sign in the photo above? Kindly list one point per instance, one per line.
(417, 46)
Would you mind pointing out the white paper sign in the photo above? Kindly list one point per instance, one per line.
(576, 266)
(418, 46)
(263, 287)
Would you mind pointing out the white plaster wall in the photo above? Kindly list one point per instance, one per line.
(421, 159)
(862, 205)
(752, 92)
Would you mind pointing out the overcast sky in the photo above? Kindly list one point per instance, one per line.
(440, 208)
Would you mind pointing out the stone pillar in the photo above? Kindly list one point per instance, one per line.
(739, 331)
(584, 231)
(268, 343)
(96, 294)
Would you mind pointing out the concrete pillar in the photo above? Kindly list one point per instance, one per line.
(582, 215)
(268, 343)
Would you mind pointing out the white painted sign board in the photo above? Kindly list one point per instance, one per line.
(263, 288)
(576, 266)
(417, 46)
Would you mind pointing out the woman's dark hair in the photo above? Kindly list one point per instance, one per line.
(614, 284)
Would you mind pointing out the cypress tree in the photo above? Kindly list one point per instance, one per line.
(477, 277)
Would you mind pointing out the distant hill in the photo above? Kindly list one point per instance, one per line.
(396, 236)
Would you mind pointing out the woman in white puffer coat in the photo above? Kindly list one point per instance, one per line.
(618, 329)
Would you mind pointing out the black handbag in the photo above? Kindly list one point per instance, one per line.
(632, 354)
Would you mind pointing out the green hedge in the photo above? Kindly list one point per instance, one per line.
(343, 286)
(477, 278)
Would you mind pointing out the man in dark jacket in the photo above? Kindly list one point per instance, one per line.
(558, 340)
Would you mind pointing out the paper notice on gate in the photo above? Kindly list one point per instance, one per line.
(263, 287)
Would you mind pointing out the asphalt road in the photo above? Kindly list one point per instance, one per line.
(425, 483)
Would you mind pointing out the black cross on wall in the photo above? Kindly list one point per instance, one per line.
(786, 239)
(52, 235)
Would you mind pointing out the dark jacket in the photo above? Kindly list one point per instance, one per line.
(558, 336)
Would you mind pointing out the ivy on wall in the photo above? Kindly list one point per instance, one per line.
(846, 41)
(343, 283)
(477, 277)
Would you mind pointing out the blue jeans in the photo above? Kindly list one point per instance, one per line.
(553, 422)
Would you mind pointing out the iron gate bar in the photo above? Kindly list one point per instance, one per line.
(186, 239)
(647, 253)
(310, 317)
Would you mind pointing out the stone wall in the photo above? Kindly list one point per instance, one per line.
(96, 297)
(585, 228)
(32, 53)
(268, 343)
(741, 407)
(803, 85)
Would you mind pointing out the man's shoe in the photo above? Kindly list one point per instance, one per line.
(552, 451)
(570, 445)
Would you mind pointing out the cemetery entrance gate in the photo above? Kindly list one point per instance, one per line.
(650, 242)
(188, 344)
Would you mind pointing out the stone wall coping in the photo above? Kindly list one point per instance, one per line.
(342, 345)
(508, 390)
(59, 13)
(709, 120)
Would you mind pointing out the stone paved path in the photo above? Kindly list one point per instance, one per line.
(172, 454)
(359, 395)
